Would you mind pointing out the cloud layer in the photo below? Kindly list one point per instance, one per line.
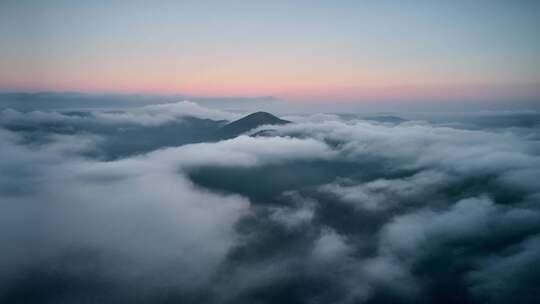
(325, 210)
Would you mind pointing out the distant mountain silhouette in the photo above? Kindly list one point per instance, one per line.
(249, 122)
(386, 119)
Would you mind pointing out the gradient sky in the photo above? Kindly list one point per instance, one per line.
(297, 50)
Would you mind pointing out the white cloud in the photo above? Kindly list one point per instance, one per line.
(382, 194)
(152, 115)
(243, 151)
(420, 191)
(133, 208)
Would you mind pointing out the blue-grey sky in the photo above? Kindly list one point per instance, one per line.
(306, 50)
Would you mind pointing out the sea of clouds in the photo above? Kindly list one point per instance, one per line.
(327, 209)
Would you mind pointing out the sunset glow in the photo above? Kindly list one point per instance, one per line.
(306, 50)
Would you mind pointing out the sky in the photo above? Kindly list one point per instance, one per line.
(294, 50)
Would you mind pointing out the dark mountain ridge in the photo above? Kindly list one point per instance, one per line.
(249, 122)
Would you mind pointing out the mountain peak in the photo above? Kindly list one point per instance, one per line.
(262, 116)
(250, 122)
